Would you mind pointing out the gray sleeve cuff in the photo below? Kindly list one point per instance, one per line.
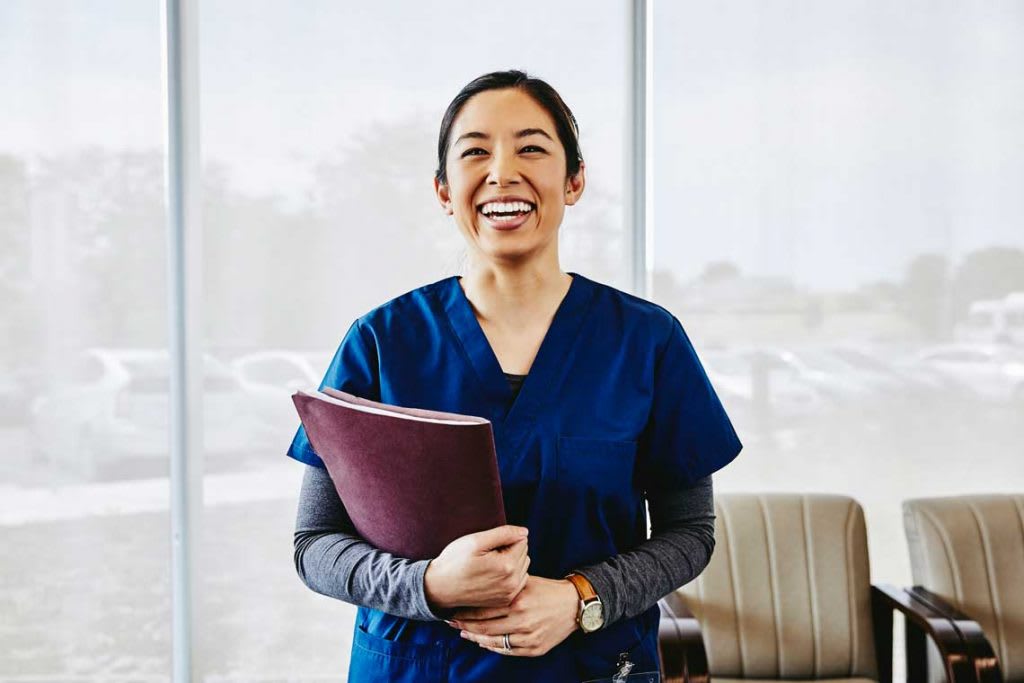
(417, 576)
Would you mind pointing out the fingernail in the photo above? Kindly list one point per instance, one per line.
(462, 634)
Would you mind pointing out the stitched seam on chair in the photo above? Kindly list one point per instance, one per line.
(993, 594)
(808, 549)
(912, 527)
(854, 644)
(773, 583)
(735, 590)
(947, 547)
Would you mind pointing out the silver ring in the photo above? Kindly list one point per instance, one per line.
(508, 645)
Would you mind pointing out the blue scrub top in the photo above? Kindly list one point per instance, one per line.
(615, 404)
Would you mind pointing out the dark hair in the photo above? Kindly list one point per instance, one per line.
(539, 90)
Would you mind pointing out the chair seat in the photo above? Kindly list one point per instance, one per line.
(718, 679)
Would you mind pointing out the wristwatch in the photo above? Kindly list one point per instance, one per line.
(591, 614)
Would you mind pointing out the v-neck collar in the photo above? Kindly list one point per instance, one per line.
(552, 356)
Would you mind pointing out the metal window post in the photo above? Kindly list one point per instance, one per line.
(184, 267)
(640, 114)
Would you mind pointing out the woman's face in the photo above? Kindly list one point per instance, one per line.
(504, 145)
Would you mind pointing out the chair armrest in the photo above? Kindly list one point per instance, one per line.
(978, 647)
(680, 645)
(924, 620)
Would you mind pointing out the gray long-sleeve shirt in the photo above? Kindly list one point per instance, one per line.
(333, 560)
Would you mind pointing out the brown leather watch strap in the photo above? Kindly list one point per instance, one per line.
(583, 586)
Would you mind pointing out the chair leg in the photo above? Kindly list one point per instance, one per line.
(882, 629)
(917, 654)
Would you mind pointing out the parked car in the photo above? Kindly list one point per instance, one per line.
(1014, 304)
(993, 372)
(907, 379)
(111, 414)
(994, 321)
(765, 382)
(832, 375)
(269, 377)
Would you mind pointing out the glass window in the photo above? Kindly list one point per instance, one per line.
(847, 174)
(275, 371)
(320, 126)
(86, 574)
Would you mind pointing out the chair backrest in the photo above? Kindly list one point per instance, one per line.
(970, 551)
(787, 593)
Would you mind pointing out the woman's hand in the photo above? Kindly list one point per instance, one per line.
(541, 616)
(487, 568)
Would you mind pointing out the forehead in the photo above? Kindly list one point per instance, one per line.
(502, 112)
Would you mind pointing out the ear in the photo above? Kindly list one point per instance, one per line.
(574, 186)
(443, 196)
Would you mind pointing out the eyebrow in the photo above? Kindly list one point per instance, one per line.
(525, 132)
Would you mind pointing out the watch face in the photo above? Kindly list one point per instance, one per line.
(593, 617)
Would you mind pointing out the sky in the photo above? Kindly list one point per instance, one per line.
(825, 142)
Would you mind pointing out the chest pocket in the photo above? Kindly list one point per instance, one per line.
(380, 660)
(599, 471)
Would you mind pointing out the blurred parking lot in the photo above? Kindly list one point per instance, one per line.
(871, 422)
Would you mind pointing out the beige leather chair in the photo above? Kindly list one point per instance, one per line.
(787, 595)
(967, 559)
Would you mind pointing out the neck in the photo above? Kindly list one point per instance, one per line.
(515, 296)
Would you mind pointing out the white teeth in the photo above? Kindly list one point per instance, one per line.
(505, 207)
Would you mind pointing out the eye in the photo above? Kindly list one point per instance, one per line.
(470, 152)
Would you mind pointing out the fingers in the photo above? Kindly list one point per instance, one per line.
(490, 628)
(499, 536)
(524, 563)
(518, 548)
(478, 614)
(496, 643)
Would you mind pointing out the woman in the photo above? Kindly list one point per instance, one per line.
(597, 400)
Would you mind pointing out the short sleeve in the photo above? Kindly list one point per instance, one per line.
(688, 434)
(352, 370)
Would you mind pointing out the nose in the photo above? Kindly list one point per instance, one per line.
(502, 169)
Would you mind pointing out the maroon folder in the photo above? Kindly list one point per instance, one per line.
(412, 480)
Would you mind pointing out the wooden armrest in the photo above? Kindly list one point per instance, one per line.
(680, 646)
(924, 620)
(978, 648)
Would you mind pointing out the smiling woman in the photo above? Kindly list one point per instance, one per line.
(509, 130)
(598, 405)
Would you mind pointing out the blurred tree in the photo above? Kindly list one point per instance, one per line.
(717, 271)
(255, 268)
(924, 289)
(989, 273)
(17, 325)
(383, 231)
(880, 294)
(102, 213)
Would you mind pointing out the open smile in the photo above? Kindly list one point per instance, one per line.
(506, 216)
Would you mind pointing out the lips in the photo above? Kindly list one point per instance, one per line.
(506, 223)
